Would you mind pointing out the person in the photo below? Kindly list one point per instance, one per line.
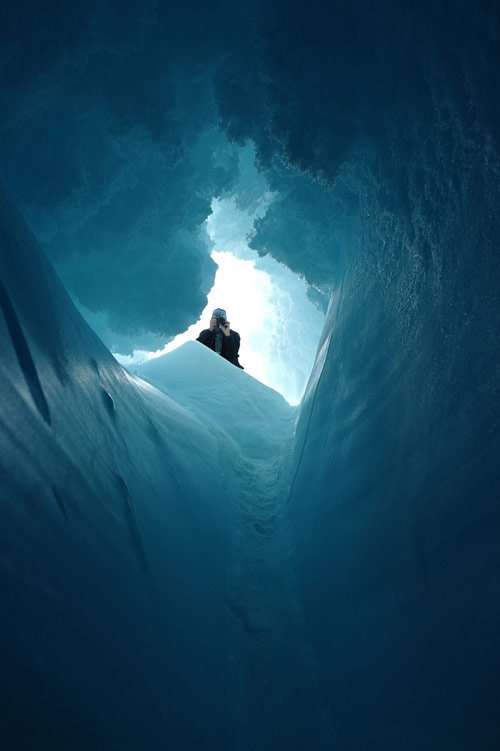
(220, 338)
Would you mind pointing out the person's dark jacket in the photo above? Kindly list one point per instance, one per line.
(230, 344)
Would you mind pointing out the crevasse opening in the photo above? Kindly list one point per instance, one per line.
(267, 304)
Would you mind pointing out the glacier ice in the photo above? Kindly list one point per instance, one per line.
(177, 572)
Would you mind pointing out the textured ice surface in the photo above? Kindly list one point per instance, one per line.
(128, 599)
(154, 592)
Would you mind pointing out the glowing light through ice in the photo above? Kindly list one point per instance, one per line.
(269, 308)
(265, 302)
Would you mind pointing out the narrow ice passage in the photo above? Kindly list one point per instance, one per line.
(254, 428)
(156, 591)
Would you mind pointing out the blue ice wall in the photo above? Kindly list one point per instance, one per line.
(394, 508)
(116, 537)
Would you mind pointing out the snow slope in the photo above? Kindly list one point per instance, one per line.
(253, 427)
(253, 416)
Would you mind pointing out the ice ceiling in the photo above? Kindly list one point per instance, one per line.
(122, 126)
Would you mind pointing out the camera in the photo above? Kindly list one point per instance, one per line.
(220, 316)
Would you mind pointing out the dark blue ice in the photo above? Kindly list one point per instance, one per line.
(178, 575)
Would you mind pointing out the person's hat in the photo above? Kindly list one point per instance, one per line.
(219, 313)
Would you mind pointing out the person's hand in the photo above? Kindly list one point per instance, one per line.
(226, 328)
(213, 323)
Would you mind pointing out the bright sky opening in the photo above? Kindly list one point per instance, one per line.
(266, 304)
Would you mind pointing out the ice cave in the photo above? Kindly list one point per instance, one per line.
(189, 561)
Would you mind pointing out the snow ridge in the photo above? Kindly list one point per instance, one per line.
(269, 661)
